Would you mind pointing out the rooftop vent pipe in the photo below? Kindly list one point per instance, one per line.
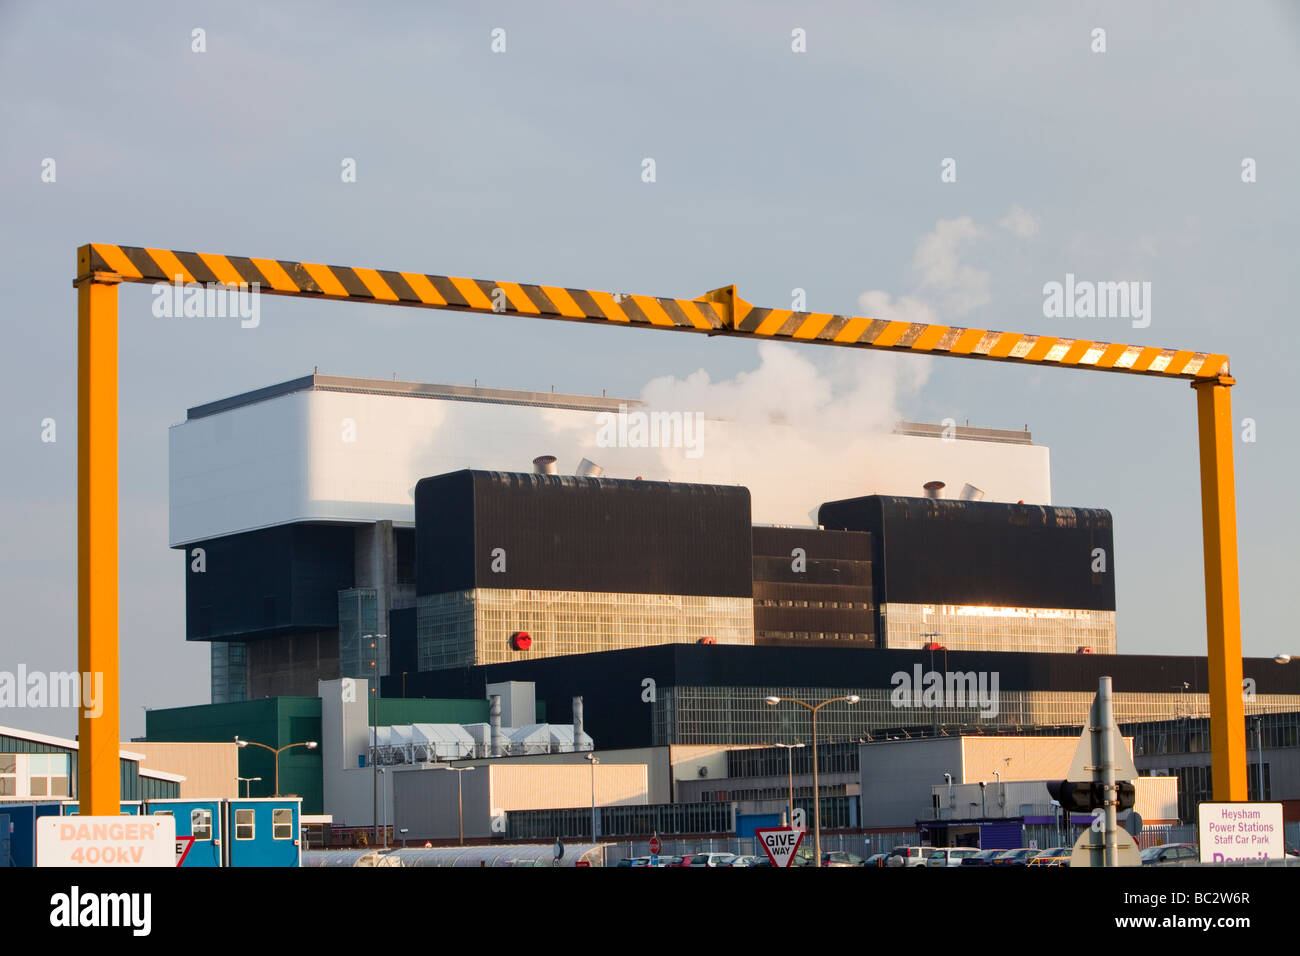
(589, 469)
(494, 721)
(934, 489)
(544, 465)
(970, 493)
(577, 723)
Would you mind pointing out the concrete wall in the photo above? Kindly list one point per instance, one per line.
(1019, 758)
(345, 736)
(210, 769)
(897, 776)
(285, 460)
(425, 798)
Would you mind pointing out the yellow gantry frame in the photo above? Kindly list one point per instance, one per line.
(101, 267)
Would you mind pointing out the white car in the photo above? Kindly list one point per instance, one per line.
(909, 855)
(950, 855)
(712, 859)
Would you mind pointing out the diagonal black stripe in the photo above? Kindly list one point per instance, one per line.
(833, 327)
(540, 299)
(300, 276)
(196, 266)
(144, 263)
(675, 313)
(633, 311)
(583, 299)
(755, 318)
(249, 272)
(351, 282)
(447, 290)
(401, 288)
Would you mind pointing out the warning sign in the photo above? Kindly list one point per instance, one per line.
(780, 843)
(183, 845)
(106, 841)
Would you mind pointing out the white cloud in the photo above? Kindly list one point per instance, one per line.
(1020, 222)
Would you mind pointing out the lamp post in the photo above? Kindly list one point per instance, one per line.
(591, 757)
(1259, 745)
(789, 750)
(383, 790)
(460, 803)
(817, 794)
(309, 744)
(374, 731)
(246, 781)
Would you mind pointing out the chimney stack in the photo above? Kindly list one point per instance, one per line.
(589, 469)
(494, 721)
(934, 489)
(577, 723)
(970, 493)
(544, 465)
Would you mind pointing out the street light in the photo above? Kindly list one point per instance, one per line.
(246, 781)
(460, 803)
(309, 744)
(817, 795)
(374, 732)
(790, 749)
(384, 800)
(592, 758)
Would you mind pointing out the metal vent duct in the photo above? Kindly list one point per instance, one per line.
(544, 464)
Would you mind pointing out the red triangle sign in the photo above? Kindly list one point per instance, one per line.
(781, 843)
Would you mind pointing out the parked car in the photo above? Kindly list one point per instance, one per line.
(634, 861)
(877, 859)
(841, 858)
(950, 855)
(1017, 857)
(909, 855)
(675, 860)
(743, 861)
(712, 859)
(982, 858)
(1170, 853)
(804, 856)
(1053, 856)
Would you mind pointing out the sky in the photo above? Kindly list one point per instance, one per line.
(794, 145)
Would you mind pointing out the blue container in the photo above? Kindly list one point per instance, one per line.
(263, 831)
(201, 819)
(18, 831)
(129, 808)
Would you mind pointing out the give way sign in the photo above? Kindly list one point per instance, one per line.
(780, 843)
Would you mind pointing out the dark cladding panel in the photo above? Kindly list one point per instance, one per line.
(939, 551)
(444, 533)
(565, 533)
(262, 583)
(402, 645)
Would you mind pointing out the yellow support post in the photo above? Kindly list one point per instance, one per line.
(1222, 590)
(98, 773)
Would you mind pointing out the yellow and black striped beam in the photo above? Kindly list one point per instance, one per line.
(720, 312)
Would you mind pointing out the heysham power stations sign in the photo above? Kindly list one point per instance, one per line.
(1240, 832)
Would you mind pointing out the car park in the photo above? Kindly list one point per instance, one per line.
(743, 861)
(711, 859)
(1170, 854)
(841, 858)
(909, 855)
(1016, 857)
(950, 855)
(1053, 856)
(982, 858)
(877, 859)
